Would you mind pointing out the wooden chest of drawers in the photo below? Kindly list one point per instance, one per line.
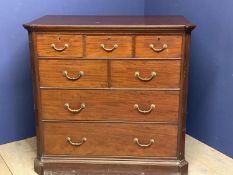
(110, 94)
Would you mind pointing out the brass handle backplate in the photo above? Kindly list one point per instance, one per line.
(84, 139)
(67, 106)
(152, 106)
(59, 49)
(151, 142)
(158, 49)
(137, 75)
(80, 74)
(115, 46)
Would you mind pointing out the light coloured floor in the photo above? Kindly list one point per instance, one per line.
(17, 158)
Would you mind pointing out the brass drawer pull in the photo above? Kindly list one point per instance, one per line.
(60, 49)
(81, 73)
(137, 75)
(84, 139)
(152, 106)
(158, 50)
(151, 142)
(115, 46)
(67, 106)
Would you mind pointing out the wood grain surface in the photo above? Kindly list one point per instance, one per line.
(93, 49)
(104, 139)
(167, 73)
(68, 21)
(51, 73)
(110, 105)
(173, 50)
(44, 41)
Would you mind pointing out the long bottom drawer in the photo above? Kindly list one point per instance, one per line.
(110, 139)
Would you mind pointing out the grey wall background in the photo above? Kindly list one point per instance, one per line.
(210, 104)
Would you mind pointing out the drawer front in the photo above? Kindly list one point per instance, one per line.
(111, 105)
(146, 74)
(104, 139)
(158, 46)
(108, 46)
(56, 45)
(73, 73)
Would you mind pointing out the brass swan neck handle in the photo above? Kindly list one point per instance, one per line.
(80, 74)
(151, 142)
(152, 107)
(137, 75)
(165, 46)
(66, 46)
(67, 106)
(84, 139)
(115, 46)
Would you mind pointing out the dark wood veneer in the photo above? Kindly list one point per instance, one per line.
(51, 73)
(167, 73)
(93, 49)
(109, 87)
(110, 139)
(173, 42)
(44, 41)
(98, 103)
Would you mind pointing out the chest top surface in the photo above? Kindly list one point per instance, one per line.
(51, 21)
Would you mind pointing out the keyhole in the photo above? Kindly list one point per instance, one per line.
(59, 38)
(158, 39)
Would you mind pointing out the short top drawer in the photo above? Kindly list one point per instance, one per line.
(59, 45)
(108, 46)
(158, 46)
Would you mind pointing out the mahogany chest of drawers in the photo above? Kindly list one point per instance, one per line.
(110, 94)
